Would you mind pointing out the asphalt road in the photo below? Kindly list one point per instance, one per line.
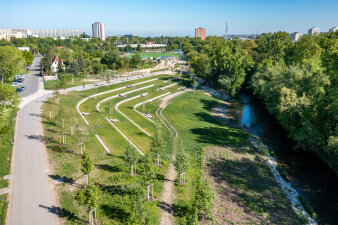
(31, 197)
(31, 194)
(32, 80)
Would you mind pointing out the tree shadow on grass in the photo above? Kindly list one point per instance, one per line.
(115, 189)
(64, 179)
(51, 123)
(115, 213)
(209, 104)
(218, 135)
(63, 213)
(60, 148)
(108, 168)
(208, 118)
(181, 208)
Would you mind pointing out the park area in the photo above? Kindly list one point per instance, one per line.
(101, 147)
(147, 55)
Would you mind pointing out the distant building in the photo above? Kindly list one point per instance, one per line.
(333, 29)
(23, 49)
(57, 33)
(55, 63)
(98, 31)
(241, 36)
(17, 33)
(200, 33)
(314, 30)
(296, 36)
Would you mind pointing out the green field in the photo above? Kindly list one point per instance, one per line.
(145, 55)
(190, 113)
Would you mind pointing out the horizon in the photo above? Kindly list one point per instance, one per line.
(151, 18)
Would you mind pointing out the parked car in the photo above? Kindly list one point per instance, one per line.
(19, 80)
(16, 84)
(20, 76)
(20, 89)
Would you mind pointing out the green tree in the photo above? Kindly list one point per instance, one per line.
(273, 46)
(131, 156)
(74, 68)
(138, 48)
(148, 170)
(10, 101)
(29, 57)
(181, 162)
(203, 199)
(11, 62)
(137, 212)
(81, 63)
(87, 164)
(157, 145)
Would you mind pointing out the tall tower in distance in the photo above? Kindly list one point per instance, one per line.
(200, 33)
(226, 30)
(98, 31)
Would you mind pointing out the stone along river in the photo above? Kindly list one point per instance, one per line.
(308, 174)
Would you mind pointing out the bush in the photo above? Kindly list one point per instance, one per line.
(307, 207)
(282, 172)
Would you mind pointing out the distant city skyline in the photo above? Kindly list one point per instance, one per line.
(156, 18)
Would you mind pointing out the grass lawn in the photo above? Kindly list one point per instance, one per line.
(111, 173)
(155, 54)
(190, 114)
(5, 160)
(56, 84)
(251, 182)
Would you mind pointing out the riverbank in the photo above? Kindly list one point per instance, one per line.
(225, 113)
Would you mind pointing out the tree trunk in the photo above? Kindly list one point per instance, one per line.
(131, 169)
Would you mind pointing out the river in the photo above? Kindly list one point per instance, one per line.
(308, 174)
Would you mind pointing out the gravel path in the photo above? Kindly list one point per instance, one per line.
(166, 203)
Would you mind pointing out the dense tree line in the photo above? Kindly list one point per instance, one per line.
(297, 81)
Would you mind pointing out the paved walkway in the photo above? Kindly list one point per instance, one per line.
(31, 197)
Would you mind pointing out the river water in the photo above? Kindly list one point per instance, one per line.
(308, 174)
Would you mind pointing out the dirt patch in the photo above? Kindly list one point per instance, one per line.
(246, 192)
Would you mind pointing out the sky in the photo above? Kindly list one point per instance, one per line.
(171, 18)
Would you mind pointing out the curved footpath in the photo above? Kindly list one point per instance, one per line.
(167, 198)
(31, 194)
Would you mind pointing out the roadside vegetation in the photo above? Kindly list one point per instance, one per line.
(12, 62)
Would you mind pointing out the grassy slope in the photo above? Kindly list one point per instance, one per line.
(111, 172)
(5, 161)
(190, 114)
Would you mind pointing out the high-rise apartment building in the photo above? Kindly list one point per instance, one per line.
(98, 30)
(17, 33)
(333, 29)
(314, 30)
(200, 33)
(57, 33)
(296, 36)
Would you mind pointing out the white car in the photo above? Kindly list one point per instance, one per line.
(16, 84)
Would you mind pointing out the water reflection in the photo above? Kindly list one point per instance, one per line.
(310, 176)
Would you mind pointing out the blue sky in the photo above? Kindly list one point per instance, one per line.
(173, 18)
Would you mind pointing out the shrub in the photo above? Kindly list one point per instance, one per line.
(282, 172)
(307, 207)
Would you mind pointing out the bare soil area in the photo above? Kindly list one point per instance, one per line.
(246, 192)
